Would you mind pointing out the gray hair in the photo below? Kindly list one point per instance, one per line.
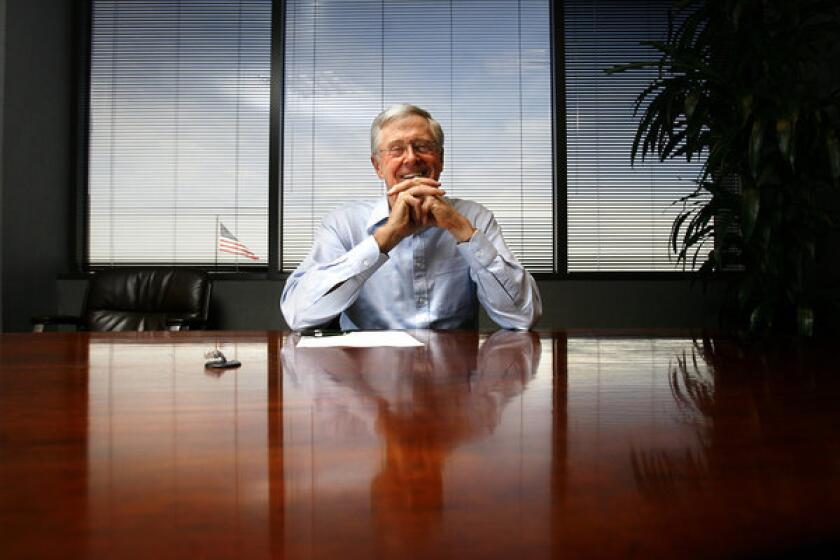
(398, 111)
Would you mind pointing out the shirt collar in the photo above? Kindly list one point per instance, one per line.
(378, 214)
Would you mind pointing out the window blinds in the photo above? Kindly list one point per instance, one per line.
(179, 116)
(619, 218)
(482, 68)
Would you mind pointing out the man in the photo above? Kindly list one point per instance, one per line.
(413, 259)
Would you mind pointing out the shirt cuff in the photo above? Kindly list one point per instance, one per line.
(478, 251)
(367, 257)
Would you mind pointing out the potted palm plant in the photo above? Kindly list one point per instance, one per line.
(751, 86)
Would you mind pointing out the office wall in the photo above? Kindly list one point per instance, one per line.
(571, 304)
(2, 90)
(38, 159)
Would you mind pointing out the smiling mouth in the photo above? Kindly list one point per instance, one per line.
(412, 175)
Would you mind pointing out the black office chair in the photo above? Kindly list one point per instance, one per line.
(140, 299)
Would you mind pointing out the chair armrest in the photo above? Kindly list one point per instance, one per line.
(185, 324)
(38, 323)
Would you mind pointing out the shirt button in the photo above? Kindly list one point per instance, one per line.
(478, 253)
(366, 262)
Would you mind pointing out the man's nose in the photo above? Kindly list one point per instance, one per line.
(409, 154)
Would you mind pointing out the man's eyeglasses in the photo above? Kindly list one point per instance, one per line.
(420, 147)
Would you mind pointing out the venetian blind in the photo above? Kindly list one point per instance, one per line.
(482, 68)
(179, 116)
(619, 218)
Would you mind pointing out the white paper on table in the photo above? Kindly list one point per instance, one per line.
(360, 339)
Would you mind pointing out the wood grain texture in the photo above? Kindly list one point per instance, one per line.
(490, 445)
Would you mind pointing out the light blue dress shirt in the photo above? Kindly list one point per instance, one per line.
(428, 281)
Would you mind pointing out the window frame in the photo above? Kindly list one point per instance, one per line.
(271, 270)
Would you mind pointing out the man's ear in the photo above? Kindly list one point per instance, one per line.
(375, 162)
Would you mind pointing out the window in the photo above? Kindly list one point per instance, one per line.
(482, 68)
(178, 158)
(618, 217)
(178, 152)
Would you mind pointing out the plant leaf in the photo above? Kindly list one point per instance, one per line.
(833, 147)
(784, 131)
(709, 265)
(675, 229)
(691, 102)
(805, 320)
(618, 68)
(761, 317)
(749, 209)
(756, 141)
(745, 102)
(736, 14)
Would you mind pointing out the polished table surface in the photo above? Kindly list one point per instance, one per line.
(477, 445)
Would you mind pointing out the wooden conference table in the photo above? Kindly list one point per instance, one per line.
(502, 445)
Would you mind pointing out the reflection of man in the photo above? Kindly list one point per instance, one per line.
(422, 403)
(412, 259)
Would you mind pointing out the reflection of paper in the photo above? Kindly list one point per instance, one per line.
(360, 339)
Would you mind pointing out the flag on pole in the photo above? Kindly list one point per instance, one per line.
(228, 243)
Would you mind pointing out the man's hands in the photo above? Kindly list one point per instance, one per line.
(440, 213)
(415, 203)
(406, 199)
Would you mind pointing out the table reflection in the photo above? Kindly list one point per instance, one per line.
(421, 403)
(482, 446)
(174, 450)
(765, 454)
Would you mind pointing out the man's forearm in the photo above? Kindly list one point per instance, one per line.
(387, 238)
(462, 230)
(317, 292)
(505, 289)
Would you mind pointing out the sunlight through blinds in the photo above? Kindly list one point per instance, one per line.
(619, 218)
(482, 68)
(179, 116)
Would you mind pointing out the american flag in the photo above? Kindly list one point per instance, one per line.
(228, 243)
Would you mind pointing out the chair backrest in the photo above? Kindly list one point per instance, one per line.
(145, 299)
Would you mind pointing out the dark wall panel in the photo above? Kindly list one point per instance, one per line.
(567, 304)
(2, 106)
(38, 158)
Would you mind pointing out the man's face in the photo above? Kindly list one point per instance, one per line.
(406, 132)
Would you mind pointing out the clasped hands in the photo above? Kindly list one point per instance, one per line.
(416, 203)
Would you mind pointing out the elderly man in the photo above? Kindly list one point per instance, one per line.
(413, 259)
